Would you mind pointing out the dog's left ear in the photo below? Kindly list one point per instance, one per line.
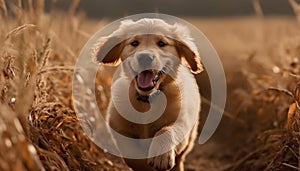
(190, 56)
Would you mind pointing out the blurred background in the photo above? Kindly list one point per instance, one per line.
(195, 8)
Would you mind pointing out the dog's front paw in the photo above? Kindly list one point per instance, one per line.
(165, 161)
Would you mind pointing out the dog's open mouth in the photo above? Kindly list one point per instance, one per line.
(147, 80)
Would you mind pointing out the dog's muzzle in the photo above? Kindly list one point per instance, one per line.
(145, 59)
(147, 75)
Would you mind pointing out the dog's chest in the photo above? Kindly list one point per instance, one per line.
(133, 130)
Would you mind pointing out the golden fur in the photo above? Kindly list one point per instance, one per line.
(181, 90)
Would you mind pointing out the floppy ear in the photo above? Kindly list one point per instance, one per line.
(190, 56)
(108, 52)
(108, 49)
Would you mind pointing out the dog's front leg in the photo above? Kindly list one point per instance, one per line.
(162, 150)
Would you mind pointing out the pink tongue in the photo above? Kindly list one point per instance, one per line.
(145, 78)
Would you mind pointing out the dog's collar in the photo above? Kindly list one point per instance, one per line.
(147, 99)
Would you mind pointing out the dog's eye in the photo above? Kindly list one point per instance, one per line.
(135, 43)
(161, 44)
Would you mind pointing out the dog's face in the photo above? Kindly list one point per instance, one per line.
(150, 57)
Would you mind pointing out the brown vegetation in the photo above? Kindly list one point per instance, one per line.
(39, 129)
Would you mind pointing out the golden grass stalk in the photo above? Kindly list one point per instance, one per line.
(73, 7)
(296, 8)
(18, 30)
(38, 6)
(30, 6)
(45, 53)
(257, 8)
(3, 7)
(57, 69)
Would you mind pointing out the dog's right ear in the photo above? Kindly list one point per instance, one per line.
(108, 50)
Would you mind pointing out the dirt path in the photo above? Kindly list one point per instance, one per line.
(219, 152)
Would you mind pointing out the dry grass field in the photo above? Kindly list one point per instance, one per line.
(38, 125)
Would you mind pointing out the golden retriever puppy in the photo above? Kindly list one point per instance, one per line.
(157, 59)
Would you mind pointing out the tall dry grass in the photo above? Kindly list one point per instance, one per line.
(38, 127)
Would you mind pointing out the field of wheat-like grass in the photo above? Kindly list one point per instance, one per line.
(39, 129)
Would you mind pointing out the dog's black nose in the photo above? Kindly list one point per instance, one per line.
(145, 59)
